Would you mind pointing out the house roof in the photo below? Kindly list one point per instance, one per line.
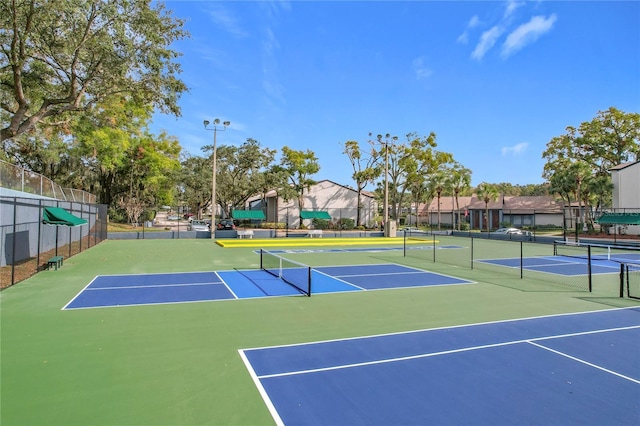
(514, 204)
(529, 203)
(447, 203)
(624, 165)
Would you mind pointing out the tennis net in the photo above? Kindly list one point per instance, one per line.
(613, 253)
(293, 273)
(632, 280)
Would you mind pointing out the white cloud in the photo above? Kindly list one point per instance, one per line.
(487, 40)
(473, 22)
(511, 7)
(222, 18)
(421, 69)
(515, 150)
(527, 33)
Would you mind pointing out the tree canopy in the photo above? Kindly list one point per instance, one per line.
(299, 166)
(578, 162)
(59, 58)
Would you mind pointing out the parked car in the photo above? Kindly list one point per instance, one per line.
(226, 224)
(198, 225)
(187, 216)
(173, 217)
(508, 231)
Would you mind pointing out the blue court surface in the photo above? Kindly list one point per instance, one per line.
(573, 369)
(557, 265)
(151, 289)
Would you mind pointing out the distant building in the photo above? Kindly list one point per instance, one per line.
(339, 201)
(626, 193)
(517, 211)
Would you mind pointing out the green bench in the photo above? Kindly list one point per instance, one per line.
(55, 261)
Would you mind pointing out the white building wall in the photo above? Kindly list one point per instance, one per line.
(339, 201)
(626, 192)
(626, 183)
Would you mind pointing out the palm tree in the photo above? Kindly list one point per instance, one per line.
(438, 183)
(487, 192)
(460, 181)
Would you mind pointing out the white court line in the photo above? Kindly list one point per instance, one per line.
(155, 286)
(386, 273)
(448, 352)
(261, 390)
(606, 370)
(226, 285)
(337, 279)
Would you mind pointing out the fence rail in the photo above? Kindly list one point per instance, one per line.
(16, 178)
(26, 243)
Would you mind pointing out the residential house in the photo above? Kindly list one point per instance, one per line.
(517, 211)
(339, 201)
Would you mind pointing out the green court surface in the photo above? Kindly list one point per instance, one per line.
(178, 364)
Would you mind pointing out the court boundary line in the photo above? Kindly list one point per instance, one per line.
(150, 304)
(337, 279)
(590, 364)
(78, 294)
(454, 351)
(395, 333)
(86, 287)
(385, 274)
(154, 286)
(414, 268)
(261, 390)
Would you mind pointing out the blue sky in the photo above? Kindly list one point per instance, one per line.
(494, 80)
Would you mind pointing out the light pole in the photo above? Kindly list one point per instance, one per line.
(386, 175)
(215, 129)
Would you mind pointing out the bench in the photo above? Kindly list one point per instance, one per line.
(317, 232)
(244, 233)
(55, 261)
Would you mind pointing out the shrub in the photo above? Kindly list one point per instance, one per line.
(346, 223)
(274, 225)
(117, 215)
(320, 223)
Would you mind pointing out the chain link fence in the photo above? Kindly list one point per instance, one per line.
(26, 243)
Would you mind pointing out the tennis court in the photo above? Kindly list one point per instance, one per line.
(583, 367)
(151, 289)
(185, 344)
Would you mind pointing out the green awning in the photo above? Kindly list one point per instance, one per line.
(248, 214)
(59, 216)
(619, 219)
(314, 214)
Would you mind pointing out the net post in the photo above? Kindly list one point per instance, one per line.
(404, 244)
(434, 248)
(261, 265)
(589, 266)
(471, 252)
(309, 292)
(521, 262)
(622, 279)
